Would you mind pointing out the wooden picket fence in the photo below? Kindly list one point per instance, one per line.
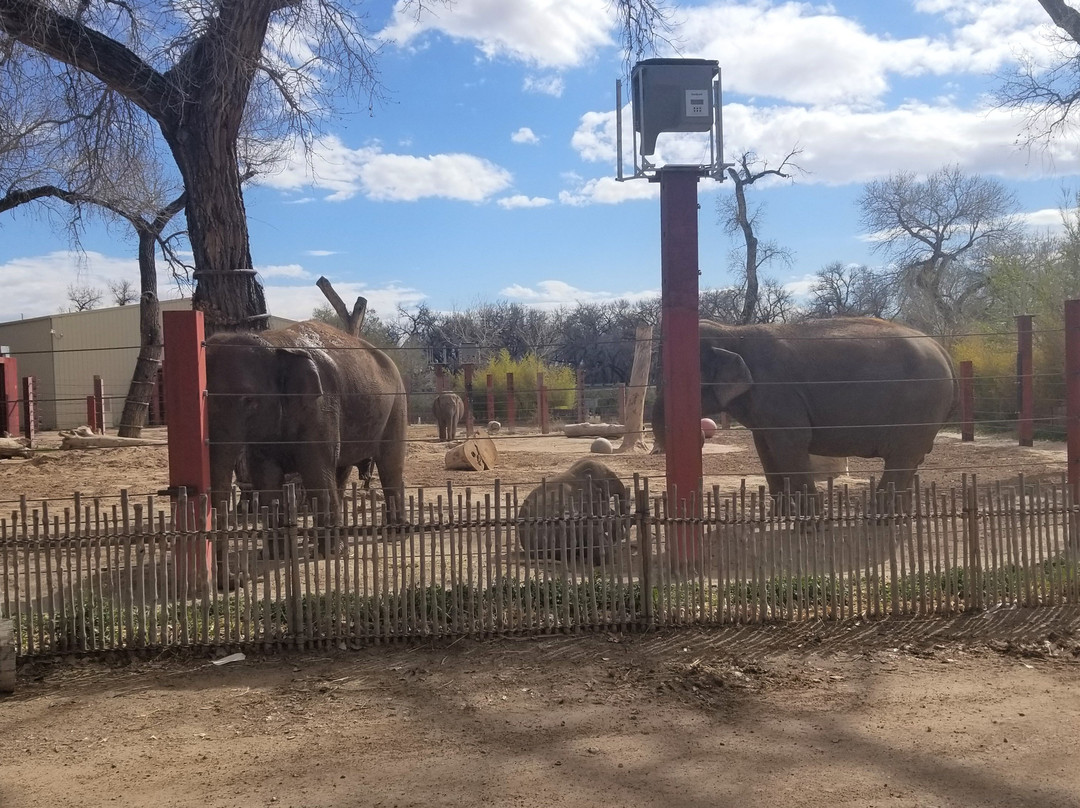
(90, 576)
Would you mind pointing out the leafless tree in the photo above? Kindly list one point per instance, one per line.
(123, 292)
(738, 217)
(851, 290)
(83, 297)
(1048, 93)
(934, 231)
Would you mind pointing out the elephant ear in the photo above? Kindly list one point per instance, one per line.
(729, 377)
(298, 379)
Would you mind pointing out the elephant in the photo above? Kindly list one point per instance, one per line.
(586, 488)
(448, 409)
(308, 399)
(847, 386)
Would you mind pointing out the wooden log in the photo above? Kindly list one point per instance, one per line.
(594, 430)
(475, 454)
(354, 320)
(14, 447)
(77, 440)
(634, 434)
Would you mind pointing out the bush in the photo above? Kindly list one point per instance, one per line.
(560, 380)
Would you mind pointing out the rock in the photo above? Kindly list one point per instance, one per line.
(601, 446)
(708, 426)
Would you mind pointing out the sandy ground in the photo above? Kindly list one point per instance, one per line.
(979, 711)
(976, 711)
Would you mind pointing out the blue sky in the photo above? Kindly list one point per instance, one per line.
(488, 173)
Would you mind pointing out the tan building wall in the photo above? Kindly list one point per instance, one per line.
(66, 351)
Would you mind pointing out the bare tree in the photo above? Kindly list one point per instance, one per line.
(1048, 93)
(935, 230)
(737, 216)
(851, 290)
(83, 297)
(123, 292)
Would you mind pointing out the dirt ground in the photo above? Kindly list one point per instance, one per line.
(982, 710)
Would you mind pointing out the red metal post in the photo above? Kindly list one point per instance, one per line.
(469, 423)
(440, 378)
(511, 403)
(681, 343)
(967, 401)
(91, 414)
(1072, 393)
(99, 404)
(491, 397)
(29, 408)
(580, 392)
(189, 428)
(9, 395)
(1024, 378)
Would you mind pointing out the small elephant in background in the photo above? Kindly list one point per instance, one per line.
(448, 409)
(587, 488)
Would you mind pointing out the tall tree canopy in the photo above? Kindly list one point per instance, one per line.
(936, 231)
(201, 71)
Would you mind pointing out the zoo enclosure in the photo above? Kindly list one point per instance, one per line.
(96, 578)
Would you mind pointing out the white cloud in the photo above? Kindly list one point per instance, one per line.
(841, 144)
(35, 286)
(333, 166)
(809, 53)
(283, 271)
(321, 253)
(551, 84)
(541, 32)
(524, 135)
(608, 191)
(552, 294)
(800, 287)
(297, 302)
(522, 201)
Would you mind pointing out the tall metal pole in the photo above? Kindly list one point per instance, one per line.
(1024, 378)
(680, 341)
(1072, 394)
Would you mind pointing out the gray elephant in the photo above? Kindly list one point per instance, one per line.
(308, 399)
(849, 386)
(448, 409)
(587, 488)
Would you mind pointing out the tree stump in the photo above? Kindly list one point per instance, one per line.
(475, 454)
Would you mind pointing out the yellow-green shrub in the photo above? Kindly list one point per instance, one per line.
(560, 381)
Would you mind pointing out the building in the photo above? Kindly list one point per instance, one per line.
(64, 352)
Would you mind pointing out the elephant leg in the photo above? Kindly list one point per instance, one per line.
(391, 467)
(452, 427)
(785, 458)
(268, 477)
(900, 471)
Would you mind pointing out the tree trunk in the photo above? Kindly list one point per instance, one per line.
(137, 403)
(634, 436)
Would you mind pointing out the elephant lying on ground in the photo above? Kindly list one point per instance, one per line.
(448, 409)
(587, 488)
(852, 386)
(307, 399)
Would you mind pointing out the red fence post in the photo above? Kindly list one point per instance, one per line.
(469, 418)
(29, 408)
(1072, 393)
(491, 397)
(511, 403)
(9, 395)
(967, 401)
(580, 392)
(91, 414)
(1024, 378)
(189, 430)
(99, 405)
(440, 379)
(680, 346)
